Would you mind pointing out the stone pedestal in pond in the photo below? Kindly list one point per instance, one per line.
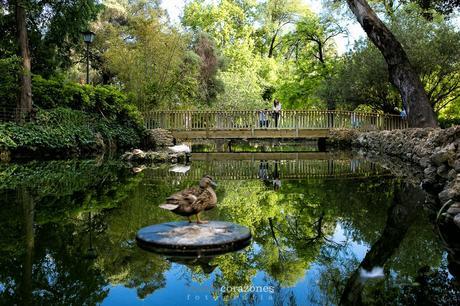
(183, 238)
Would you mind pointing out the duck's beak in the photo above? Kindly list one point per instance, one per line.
(213, 184)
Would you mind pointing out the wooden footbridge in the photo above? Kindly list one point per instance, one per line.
(261, 124)
(266, 166)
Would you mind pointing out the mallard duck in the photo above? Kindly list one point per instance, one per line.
(194, 200)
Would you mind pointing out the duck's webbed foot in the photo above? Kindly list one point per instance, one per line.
(198, 221)
(189, 219)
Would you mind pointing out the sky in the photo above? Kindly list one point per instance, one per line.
(344, 43)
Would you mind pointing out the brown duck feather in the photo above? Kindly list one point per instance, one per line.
(193, 200)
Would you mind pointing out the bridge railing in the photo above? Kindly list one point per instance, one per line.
(292, 169)
(289, 119)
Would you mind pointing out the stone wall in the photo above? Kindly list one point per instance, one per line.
(433, 154)
(429, 157)
(157, 138)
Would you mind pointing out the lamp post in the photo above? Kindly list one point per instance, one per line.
(88, 38)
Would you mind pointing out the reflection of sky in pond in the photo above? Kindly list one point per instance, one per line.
(180, 291)
(309, 236)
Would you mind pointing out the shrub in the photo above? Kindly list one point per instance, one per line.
(66, 131)
(103, 100)
(448, 122)
(9, 74)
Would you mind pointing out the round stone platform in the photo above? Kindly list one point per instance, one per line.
(183, 238)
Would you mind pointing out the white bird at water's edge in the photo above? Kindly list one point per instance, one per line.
(376, 272)
(137, 151)
(183, 148)
(138, 169)
(180, 169)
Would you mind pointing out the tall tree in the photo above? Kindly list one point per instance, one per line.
(319, 34)
(445, 7)
(432, 50)
(150, 58)
(400, 217)
(278, 14)
(54, 31)
(24, 104)
(402, 75)
(209, 66)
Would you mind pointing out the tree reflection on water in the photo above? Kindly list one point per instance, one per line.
(309, 229)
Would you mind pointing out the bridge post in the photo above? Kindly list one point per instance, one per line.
(330, 167)
(220, 145)
(296, 123)
(322, 144)
(330, 119)
(207, 124)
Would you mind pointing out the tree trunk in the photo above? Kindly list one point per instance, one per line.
(407, 200)
(272, 45)
(402, 75)
(28, 206)
(24, 105)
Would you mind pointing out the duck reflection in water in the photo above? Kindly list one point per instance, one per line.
(204, 262)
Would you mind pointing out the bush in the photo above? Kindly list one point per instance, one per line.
(9, 74)
(448, 122)
(106, 101)
(67, 131)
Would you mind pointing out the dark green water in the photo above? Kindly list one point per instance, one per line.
(67, 232)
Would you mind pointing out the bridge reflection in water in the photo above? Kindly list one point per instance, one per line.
(268, 166)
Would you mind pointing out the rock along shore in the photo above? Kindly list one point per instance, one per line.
(156, 143)
(433, 155)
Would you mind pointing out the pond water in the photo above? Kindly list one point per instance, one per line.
(67, 234)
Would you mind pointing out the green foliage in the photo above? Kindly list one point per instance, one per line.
(210, 63)
(54, 31)
(152, 61)
(275, 48)
(442, 6)
(61, 193)
(358, 81)
(362, 75)
(104, 100)
(7, 142)
(67, 131)
(450, 115)
(9, 75)
(242, 91)
(230, 25)
(291, 229)
(76, 114)
(448, 122)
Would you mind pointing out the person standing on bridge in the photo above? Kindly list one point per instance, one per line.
(276, 111)
(263, 120)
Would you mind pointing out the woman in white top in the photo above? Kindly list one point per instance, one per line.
(276, 111)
